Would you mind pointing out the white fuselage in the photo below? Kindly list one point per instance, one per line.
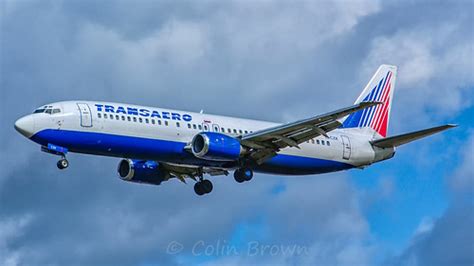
(123, 130)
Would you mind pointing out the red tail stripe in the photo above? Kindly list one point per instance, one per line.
(384, 96)
(386, 92)
(379, 127)
(384, 106)
(383, 125)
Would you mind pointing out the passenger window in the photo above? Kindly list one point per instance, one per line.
(240, 131)
(105, 115)
(129, 118)
(317, 141)
(111, 117)
(235, 131)
(117, 117)
(206, 128)
(153, 121)
(177, 124)
(246, 132)
(123, 118)
(328, 143)
(194, 126)
(312, 141)
(189, 126)
(99, 115)
(200, 127)
(140, 120)
(134, 119)
(166, 123)
(229, 130)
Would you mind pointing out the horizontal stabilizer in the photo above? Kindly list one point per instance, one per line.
(409, 137)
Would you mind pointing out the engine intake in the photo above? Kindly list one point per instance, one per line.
(216, 146)
(139, 171)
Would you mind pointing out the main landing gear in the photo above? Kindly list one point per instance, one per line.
(203, 186)
(243, 174)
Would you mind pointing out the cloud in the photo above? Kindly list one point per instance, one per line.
(11, 228)
(449, 239)
(435, 68)
(463, 178)
(449, 242)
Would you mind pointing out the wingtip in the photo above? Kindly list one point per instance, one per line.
(452, 125)
(373, 103)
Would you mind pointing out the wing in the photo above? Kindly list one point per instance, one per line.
(182, 171)
(264, 144)
(396, 141)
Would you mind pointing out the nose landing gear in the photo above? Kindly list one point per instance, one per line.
(57, 150)
(63, 163)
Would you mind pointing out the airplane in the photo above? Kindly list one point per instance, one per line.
(159, 144)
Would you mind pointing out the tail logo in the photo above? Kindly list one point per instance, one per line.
(375, 117)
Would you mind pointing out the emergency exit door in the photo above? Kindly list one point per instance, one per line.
(346, 147)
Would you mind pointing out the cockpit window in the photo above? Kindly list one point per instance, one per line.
(37, 111)
(47, 109)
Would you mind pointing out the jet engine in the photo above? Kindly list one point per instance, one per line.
(140, 171)
(216, 146)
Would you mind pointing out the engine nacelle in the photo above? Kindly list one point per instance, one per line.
(216, 146)
(140, 171)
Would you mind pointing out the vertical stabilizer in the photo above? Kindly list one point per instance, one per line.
(379, 89)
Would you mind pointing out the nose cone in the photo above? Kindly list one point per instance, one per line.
(26, 126)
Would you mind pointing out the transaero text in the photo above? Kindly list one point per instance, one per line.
(143, 112)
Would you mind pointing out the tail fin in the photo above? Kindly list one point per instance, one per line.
(379, 89)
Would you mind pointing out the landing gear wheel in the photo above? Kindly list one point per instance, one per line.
(62, 164)
(203, 187)
(238, 176)
(207, 185)
(199, 189)
(243, 174)
(247, 174)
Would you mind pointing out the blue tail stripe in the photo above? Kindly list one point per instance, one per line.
(371, 110)
(377, 98)
(354, 118)
(367, 111)
(364, 112)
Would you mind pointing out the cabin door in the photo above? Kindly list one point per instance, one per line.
(85, 114)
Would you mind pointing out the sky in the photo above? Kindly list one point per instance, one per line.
(273, 60)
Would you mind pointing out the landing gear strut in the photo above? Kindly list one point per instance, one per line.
(63, 163)
(57, 150)
(203, 186)
(243, 174)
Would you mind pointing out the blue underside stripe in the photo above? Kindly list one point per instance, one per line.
(171, 151)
